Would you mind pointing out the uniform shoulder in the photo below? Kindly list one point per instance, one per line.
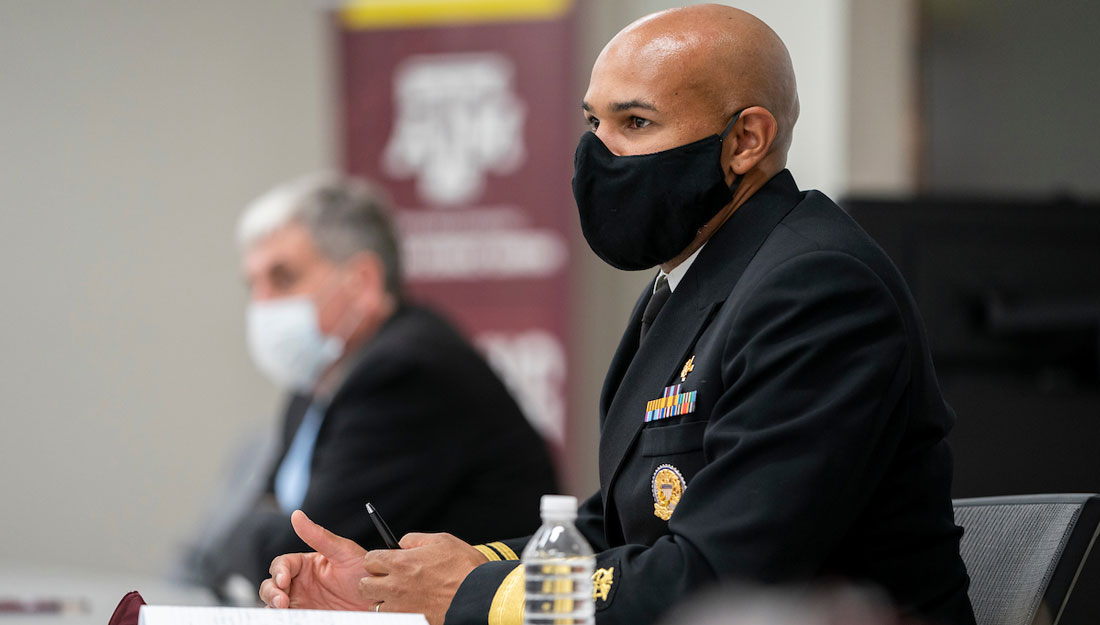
(817, 224)
(819, 220)
(818, 241)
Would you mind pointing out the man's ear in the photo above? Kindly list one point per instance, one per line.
(370, 280)
(749, 141)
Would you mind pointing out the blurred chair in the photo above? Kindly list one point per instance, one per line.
(1031, 558)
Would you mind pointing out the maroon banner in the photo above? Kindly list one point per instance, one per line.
(467, 126)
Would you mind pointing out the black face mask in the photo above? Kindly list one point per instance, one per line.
(640, 211)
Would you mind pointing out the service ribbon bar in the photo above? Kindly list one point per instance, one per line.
(672, 404)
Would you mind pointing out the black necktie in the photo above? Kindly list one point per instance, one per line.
(656, 302)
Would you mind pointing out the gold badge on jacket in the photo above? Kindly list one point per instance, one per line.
(668, 486)
(602, 580)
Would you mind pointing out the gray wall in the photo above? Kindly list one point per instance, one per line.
(131, 133)
(1010, 97)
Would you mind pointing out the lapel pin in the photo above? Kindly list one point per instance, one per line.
(689, 366)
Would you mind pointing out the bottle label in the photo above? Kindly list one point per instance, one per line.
(559, 591)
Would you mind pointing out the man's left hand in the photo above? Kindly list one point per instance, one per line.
(422, 577)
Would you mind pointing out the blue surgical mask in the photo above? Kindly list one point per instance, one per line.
(287, 345)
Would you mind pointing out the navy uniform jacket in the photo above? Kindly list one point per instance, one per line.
(813, 448)
(422, 428)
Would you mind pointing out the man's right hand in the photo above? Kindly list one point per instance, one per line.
(325, 580)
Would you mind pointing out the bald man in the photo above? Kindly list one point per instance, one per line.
(771, 413)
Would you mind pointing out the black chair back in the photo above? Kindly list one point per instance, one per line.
(1031, 558)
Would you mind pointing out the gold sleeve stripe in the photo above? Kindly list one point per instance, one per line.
(507, 606)
(488, 553)
(504, 550)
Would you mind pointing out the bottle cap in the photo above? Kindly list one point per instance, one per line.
(558, 506)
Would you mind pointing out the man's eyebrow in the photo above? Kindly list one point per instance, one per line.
(619, 107)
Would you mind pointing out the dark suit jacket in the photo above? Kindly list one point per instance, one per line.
(423, 429)
(815, 449)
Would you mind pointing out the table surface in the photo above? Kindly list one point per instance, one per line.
(96, 594)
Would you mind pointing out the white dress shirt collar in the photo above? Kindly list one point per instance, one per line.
(678, 271)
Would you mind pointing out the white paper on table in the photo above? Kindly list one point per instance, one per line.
(192, 615)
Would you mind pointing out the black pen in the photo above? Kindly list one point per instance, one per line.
(383, 529)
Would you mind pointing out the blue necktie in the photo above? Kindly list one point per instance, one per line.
(292, 478)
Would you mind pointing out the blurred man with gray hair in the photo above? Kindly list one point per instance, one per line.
(387, 402)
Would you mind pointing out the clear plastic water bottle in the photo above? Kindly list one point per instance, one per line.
(558, 565)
